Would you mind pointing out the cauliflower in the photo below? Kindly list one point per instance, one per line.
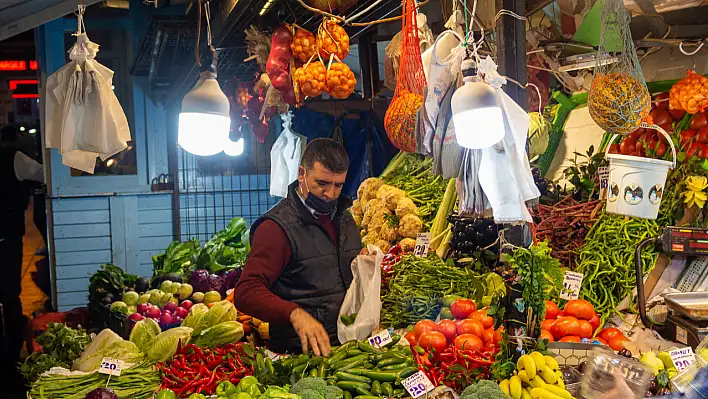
(378, 219)
(356, 208)
(392, 197)
(387, 231)
(370, 238)
(367, 189)
(369, 210)
(383, 244)
(383, 190)
(410, 226)
(406, 207)
(407, 244)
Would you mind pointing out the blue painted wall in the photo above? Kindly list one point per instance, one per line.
(117, 219)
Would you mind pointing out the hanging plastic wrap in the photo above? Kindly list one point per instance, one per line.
(619, 99)
(400, 118)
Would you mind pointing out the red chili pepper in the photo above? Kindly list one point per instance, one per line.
(231, 364)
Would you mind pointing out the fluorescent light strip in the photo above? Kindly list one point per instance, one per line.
(266, 7)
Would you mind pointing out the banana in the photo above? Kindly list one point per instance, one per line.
(560, 381)
(515, 387)
(524, 376)
(538, 359)
(541, 393)
(525, 394)
(526, 363)
(537, 382)
(551, 362)
(558, 391)
(504, 386)
(548, 375)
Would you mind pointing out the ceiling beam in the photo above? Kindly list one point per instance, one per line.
(35, 18)
(656, 22)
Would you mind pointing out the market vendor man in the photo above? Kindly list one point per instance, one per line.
(299, 267)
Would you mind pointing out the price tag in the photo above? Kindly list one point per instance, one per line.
(110, 366)
(383, 338)
(571, 285)
(422, 244)
(603, 175)
(682, 358)
(418, 384)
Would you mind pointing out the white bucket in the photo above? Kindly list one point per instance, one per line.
(636, 184)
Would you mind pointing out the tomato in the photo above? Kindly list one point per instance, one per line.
(628, 146)
(498, 338)
(410, 337)
(551, 310)
(448, 328)
(692, 150)
(702, 135)
(468, 341)
(423, 326)
(600, 340)
(462, 308)
(661, 149)
(570, 338)
(546, 335)
(687, 135)
(566, 325)
(433, 340)
(677, 114)
(594, 322)
(636, 134)
(661, 101)
(661, 116)
(614, 148)
(617, 342)
(482, 317)
(609, 332)
(640, 147)
(584, 329)
(488, 336)
(469, 326)
(698, 121)
(579, 308)
(546, 324)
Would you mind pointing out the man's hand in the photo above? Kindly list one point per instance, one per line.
(312, 333)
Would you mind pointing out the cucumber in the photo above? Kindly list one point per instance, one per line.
(382, 376)
(344, 376)
(390, 361)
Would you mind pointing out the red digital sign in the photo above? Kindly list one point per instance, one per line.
(25, 91)
(10, 65)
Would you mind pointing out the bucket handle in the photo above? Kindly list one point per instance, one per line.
(657, 128)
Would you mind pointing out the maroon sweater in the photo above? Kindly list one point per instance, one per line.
(270, 253)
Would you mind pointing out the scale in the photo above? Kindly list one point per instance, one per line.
(687, 321)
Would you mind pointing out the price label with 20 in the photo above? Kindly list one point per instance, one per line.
(418, 384)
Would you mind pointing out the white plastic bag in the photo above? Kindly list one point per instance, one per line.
(285, 158)
(363, 297)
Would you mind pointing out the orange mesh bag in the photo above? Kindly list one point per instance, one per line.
(303, 46)
(399, 121)
(690, 93)
(619, 99)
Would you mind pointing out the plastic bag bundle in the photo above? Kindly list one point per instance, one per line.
(619, 99)
(362, 303)
(285, 158)
(400, 118)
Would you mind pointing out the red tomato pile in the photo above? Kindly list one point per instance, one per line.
(576, 321)
(473, 330)
(651, 144)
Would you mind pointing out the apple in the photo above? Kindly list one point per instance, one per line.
(187, 304)
(136, 317)
(170, 307)
(181, 312)
(142, 308)
(166, 319)
(153, 313)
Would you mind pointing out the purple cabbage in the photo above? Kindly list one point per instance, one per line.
(202, 281)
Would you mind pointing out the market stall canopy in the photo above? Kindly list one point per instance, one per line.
(17, 16)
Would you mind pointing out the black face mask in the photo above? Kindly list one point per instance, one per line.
(322, 207)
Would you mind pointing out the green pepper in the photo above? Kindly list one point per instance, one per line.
(166, 394)
(226, 388)
(247, 382)
(197, 396)
(253, 391)
(240, 395)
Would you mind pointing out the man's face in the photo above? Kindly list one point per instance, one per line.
(321, 182)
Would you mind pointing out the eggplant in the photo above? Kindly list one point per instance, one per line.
(156, 282)
(101, 393)
(174, 277)
(141, 285)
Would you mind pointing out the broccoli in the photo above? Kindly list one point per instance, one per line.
(484, 389)
(333, 392)
(314, 383)
(316, 388)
